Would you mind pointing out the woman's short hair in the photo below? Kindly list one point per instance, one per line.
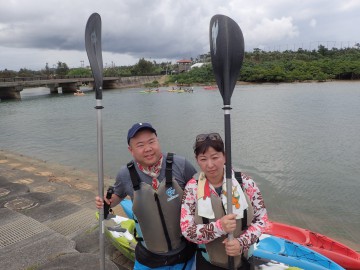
(204, 141)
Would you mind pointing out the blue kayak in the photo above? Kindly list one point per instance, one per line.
(291, 253)
(126, 205)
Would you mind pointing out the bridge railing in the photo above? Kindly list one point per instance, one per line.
(39, 78)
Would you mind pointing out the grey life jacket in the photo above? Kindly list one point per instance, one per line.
(214, 251)
(157, 213)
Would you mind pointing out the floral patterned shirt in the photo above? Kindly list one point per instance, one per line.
(205, 233)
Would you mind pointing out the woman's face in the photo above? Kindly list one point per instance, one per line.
(212, 164)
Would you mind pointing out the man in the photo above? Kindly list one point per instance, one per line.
(155, 183)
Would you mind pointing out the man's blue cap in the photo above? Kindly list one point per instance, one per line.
(137, 127)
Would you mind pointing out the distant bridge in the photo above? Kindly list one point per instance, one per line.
(10, 88)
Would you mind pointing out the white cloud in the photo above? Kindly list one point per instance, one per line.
(273, 30)
(349, 5)
(312, 23)
(41, 31)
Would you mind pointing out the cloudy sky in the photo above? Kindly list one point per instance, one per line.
(36, 32)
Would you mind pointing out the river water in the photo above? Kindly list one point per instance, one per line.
(300, 142)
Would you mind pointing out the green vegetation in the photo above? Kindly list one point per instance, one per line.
(288, 66)
(153, 84)
(142, 68)
(60, 69)
(198, 75)
(83, 72)
(259, 66)
(301, 65)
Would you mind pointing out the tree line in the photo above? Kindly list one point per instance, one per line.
(258, 66)
(142, 68)
(288, 66)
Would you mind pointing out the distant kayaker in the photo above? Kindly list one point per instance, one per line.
(155, 182)
(203, 218)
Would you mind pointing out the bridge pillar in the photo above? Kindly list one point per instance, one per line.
(12, 92)
(53, 88)
(69, 87)
(110, 84)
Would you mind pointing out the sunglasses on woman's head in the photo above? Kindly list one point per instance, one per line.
(211, 136)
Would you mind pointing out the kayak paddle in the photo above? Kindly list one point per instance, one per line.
(93, 49)
(227, 54)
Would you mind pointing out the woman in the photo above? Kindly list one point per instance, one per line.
(203, 218)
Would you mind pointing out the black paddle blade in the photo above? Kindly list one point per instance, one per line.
(227, 53)
(93, 49)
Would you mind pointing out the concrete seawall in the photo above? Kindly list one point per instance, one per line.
(134, 81)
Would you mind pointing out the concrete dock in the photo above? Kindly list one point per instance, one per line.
(48, 217)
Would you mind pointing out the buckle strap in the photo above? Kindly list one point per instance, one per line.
(135, 178)
(244, 225)
(238, 177)
(205, 220)
(136, 236)
(168, 170)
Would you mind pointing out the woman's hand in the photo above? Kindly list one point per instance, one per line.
(233, 247)
(228, 223)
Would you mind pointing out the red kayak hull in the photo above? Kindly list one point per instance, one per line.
(334, 250)
(210, 87)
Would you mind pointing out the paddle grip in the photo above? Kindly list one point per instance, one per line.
(231, 263)
(107, 208)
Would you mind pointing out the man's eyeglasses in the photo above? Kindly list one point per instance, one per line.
(211, 136)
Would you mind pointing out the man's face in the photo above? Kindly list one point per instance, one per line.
(145, 148)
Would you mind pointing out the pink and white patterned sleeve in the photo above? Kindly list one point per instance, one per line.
(254, 231)
(196, 233)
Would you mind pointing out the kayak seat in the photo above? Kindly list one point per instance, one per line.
(271, 244)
